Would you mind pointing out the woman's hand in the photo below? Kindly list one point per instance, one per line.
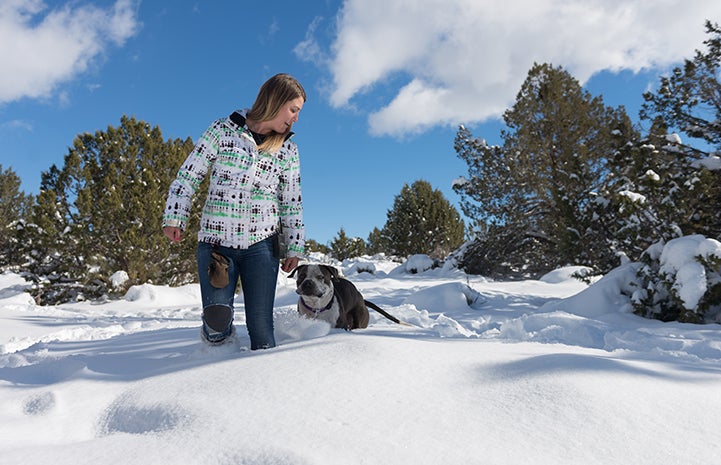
(289, 264)
(173, 233)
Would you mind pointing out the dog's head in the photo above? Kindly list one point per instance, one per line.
(314, 280)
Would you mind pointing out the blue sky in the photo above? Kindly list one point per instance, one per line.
(388, 82)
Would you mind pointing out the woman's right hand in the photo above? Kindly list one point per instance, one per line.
(173, 233)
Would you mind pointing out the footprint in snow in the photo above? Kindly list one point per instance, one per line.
(39, 404)
(127, 416)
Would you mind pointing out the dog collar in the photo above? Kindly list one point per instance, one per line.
(316, 310)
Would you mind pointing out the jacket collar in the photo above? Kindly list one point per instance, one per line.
(239, 118)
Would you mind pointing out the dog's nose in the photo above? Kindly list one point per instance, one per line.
(306, 286)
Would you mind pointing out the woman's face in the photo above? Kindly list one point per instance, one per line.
(288, 114)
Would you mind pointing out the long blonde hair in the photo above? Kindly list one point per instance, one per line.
(273, 94)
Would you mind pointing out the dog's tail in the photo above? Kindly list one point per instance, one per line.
(385, 314)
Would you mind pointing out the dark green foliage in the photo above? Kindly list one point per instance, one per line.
(14, 208)
(690, 101)
(500, 252)
(624, 217)
(314, 246)
(375, 243)
(534, 191)
(658, 297)
(660, 188)
(101, 213)
(574, 183)
(422, 221)
(343, 247)
(690, 98)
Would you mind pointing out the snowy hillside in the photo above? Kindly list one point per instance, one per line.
(533, 372)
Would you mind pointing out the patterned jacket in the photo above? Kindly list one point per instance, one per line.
(249, 192)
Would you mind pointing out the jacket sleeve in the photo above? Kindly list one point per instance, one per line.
(290, 203)
(190, 176)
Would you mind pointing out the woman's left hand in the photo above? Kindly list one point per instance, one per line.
(289, 264)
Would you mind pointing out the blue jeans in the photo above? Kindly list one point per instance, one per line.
(257, 269)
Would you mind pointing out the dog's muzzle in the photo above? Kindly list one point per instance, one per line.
(309, 288)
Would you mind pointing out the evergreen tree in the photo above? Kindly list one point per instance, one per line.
(376, 243)
(640, 203)
(677, 186)
(314, 246)
(690, 98)
(48, 244)
(101, 212)
(422, 221)
(533, 192)
(14, 208)
(343, 247)
(690, 101)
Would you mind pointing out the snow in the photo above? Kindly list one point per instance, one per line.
(674, 138)
(678, 259)
(459, 182)
(118, 279)
(633, 196)
(552, 371)
(651, 174)
(712, 162)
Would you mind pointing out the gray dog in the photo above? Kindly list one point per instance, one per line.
(326, 296)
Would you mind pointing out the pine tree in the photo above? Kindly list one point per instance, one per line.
(376, 243)
(124, 174)
(101, 212)
(690, 101)
(641, 202)
(48, 244)
(690, 98)
(312, 245)
(682, 189)
(14, 208)
(533, 192)
(343, 247)
(422, 221)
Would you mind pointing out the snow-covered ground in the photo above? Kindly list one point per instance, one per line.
(532, 372)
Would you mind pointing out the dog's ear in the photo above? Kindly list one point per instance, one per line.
(332, 271)
(292, 273)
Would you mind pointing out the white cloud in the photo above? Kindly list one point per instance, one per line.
(269, 35)
(17, 125)
(309, 49)
(464, 60)
(43, 48)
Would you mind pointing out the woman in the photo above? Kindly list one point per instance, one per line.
(253, 206)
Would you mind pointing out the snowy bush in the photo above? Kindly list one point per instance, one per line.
(419, 263)
(681, 281)
(119, 279)
(360, 266)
